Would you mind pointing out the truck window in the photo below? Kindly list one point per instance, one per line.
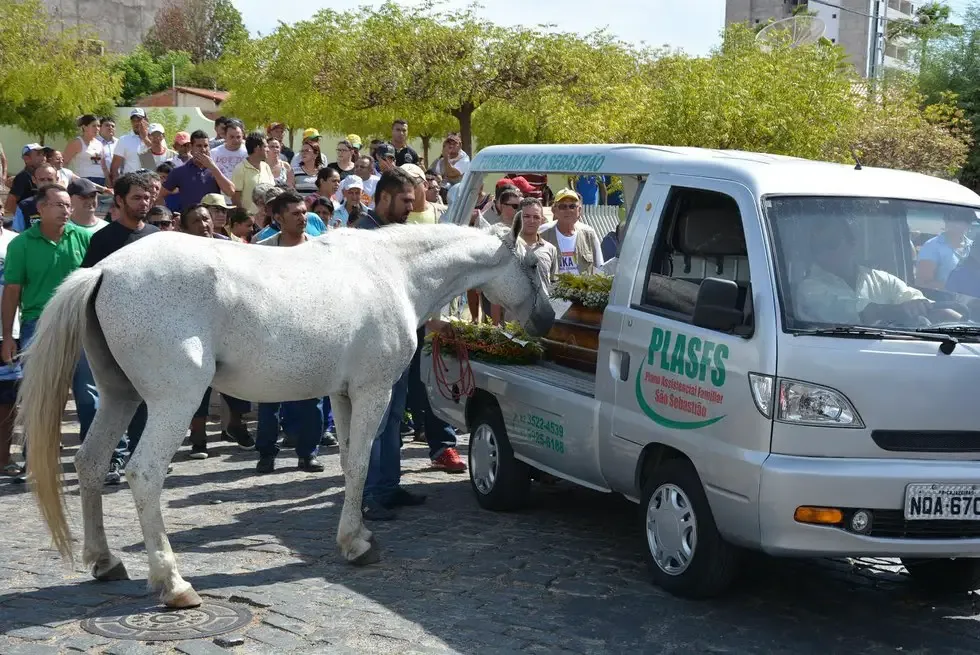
(700, 236)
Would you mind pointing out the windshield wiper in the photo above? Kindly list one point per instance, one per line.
(948, 343)
(959, 330)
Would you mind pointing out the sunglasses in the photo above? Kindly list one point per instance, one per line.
(161, 223)
(566, 207)
(512, 205)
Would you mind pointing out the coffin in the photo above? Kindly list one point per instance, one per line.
(574, 338)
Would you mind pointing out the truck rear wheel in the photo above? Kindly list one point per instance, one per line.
(686, 554)
(944, 576)
(501, 482)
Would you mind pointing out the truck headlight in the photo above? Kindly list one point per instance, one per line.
(810, 404)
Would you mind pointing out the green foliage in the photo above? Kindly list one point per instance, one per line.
(508, 344)
(143, 74)
(48, 78)
(589, 290)
(171, 123)
(205, 29)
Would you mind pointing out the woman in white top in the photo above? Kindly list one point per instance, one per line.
(86, 154)
(281, 170)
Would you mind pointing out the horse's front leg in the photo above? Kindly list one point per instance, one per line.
(368, 411)
(165, 429)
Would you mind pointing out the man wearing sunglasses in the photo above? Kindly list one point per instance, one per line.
(505, 205)
(577, 243)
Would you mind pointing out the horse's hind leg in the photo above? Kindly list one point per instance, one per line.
(91, 463)
(340, 404)
(367, 411)
(165, 429)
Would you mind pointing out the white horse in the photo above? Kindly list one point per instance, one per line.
(165, 317)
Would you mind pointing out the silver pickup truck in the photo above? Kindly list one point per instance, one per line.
(769, 376)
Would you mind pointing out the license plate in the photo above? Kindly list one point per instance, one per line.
(945, 502)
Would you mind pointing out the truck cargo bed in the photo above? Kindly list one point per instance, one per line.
(551, 374)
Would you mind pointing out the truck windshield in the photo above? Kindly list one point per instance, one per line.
(886, 263)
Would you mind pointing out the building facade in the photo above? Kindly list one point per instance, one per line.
(856, 25)
(120, 24)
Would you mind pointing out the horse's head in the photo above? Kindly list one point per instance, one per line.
(518, 288)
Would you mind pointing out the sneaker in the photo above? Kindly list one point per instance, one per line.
(403, 498)
(375, 511)
(449, 461)
(329, 439)
(199, 451)
(113, 477)
(407, 429)
(309, 464)
(267, 464)
(240, 435)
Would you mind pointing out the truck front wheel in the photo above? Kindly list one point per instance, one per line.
(685, 552)
(944, 576)
(501, 482)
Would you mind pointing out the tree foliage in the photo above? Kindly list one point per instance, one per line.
(48, 78)
(143, 74)
(170, 121)
(205, 29)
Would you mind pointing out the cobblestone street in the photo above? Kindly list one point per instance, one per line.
(564, 576)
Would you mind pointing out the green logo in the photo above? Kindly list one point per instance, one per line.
(686, 362)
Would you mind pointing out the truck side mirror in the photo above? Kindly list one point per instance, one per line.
(716, 307)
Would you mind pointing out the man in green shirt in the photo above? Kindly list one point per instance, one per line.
(38, 260)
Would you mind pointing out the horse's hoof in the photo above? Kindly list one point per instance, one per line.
(184, 601)
(370, 556)
(117, 572)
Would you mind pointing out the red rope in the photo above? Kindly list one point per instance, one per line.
(464, 385)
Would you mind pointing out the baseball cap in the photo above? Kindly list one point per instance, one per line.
(521, 183)
(31, 146)
(273, 126)
(354, 140)
(414, 172)
(80, 186)
(215, 200)
(156, 127)
(181, 138)
(137, 112)
(384, 150)
(566, 194)
(352, 182)
(310, 133)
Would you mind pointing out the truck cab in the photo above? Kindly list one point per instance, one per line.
(769, 376)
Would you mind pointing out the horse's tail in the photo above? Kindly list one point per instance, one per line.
(50, 362)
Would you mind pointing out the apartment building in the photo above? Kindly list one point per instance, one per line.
(857, 25)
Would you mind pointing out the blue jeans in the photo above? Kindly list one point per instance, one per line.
(385, 468)
(302, 419)
(82, 388)
(438, 433)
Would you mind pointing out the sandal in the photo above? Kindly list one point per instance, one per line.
(12, 470)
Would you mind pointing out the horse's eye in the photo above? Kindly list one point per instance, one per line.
(534, 265)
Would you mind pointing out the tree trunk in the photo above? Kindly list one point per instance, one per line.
(464, 114)
(426, 142)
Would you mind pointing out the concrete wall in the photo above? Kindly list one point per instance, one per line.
(13, 139)
(121, 24)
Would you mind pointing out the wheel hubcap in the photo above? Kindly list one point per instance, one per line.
(483, 456)
(672, 531)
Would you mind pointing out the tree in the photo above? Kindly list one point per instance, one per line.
(47, 77)
(932, 22)
(143, 74)
(204, 28)
(168, 118)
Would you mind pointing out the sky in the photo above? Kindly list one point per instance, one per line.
(692, 25)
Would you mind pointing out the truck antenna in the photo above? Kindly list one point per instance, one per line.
(857, 160)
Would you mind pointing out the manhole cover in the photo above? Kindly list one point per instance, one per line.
(147, 621)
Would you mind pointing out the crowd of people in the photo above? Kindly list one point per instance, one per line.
(252, 188)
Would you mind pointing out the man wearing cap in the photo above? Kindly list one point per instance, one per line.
(577, 243)
(453, 162)
(355, 141)
(504, 205)
(277, 131)
(198, 177)
(84, 198)
(218, 209)
(384, 157)
(252, 171)
(126, 156)
(404, 154)
(232, 152)
(353, 207)
(157, 152)
(23, 186)
(27, 213)
(182, 144)
(424, 212)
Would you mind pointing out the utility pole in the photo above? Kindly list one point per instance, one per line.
(874, 68)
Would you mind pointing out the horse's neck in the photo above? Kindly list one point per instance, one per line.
(440, 269)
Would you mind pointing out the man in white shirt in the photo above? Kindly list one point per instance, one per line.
(232, 152)
(453, 163)
(578, 244)
(364, 169)
(126, 156)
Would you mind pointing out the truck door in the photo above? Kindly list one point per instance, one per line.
(687, 387)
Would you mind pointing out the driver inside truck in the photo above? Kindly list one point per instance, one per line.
(837, 289)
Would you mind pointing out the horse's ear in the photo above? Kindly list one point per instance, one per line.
(517, 227)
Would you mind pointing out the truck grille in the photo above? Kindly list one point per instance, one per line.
(927, 442)
(891, 524)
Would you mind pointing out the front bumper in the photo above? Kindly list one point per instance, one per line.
(874, 484)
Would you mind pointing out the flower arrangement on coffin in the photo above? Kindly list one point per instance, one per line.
(589, 290)
(486, 342)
